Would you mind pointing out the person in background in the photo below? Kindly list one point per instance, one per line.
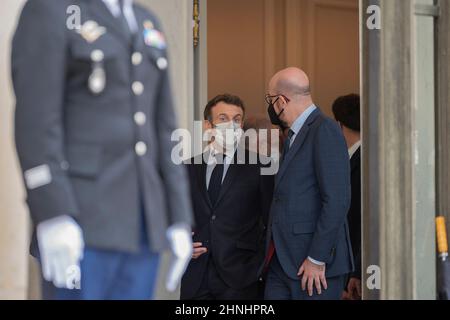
(346, 110)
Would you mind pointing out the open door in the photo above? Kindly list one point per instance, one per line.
(248, 41)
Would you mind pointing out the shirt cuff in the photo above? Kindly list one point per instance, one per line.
(316, 262)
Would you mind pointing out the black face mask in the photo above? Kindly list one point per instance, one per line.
(274, 117)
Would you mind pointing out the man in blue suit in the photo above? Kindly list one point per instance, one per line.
(308, 250)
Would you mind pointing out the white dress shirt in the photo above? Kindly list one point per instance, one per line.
(300, 122)
(113, 6)
(353, 149)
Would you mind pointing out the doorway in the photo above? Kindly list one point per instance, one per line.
(249, 41)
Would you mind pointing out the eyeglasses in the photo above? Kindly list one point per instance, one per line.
(273, 99)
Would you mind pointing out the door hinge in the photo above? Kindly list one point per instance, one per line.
(196, 18)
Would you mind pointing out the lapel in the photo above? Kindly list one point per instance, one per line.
(100, 12)
(140, 19)
(299, 140)
(201, 179)
(355, 161)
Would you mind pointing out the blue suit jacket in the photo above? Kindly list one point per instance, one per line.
(311, 200)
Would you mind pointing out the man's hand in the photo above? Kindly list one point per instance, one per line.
(354, 289)
(313, 275)
(345, 295)
(199, 250)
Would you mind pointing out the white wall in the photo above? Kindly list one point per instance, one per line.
(13, 214)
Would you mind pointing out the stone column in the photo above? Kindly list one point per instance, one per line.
(398, 228)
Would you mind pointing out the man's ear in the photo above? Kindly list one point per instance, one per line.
(207, 125)
(281, 104)
(283, 100)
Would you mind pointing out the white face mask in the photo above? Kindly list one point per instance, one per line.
(227, 135)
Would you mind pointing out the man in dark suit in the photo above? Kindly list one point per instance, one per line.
(346, 110)
(231, 200)
(94, 119)
(308, 243)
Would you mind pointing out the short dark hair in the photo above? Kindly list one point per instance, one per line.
(225, 98)
(346, 110)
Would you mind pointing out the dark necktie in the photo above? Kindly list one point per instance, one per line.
(215, 182)
(287, 144)
(123, 20)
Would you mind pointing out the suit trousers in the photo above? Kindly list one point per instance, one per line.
(214, 288)
(281, 287)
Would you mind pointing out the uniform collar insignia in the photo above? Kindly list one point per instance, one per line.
(91, 31)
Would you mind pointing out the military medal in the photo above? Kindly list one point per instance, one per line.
(148, 24)
(91, 31)
(97, 79)
(152, 37)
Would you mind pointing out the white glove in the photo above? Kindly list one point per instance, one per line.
(181, 245)
(61, 249)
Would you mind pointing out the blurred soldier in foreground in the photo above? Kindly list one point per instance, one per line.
(93, 124)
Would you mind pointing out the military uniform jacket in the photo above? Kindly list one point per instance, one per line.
(99, 152)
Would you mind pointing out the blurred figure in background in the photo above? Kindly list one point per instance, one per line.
(94, 118)
(346, 110)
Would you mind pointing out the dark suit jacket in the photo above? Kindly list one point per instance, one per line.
(88, 141)
(354, 214)
(233, 230)
(311, 200)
